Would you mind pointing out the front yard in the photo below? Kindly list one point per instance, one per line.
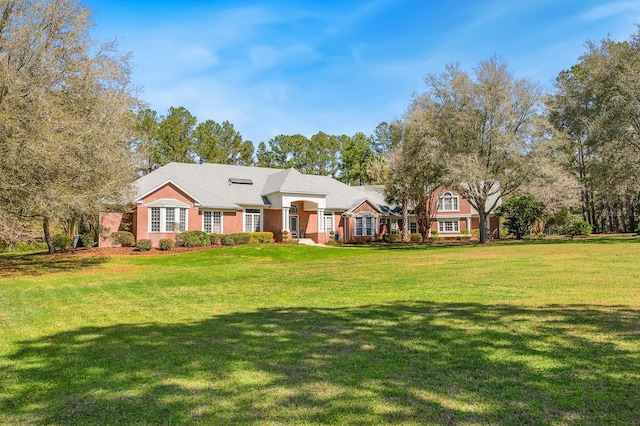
(532, 333)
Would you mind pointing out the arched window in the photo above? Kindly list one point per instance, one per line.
(448, 203)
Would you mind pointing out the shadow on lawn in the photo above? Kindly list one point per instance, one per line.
(398, 363)
(12, 265)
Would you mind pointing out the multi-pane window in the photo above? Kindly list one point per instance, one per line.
(449, 226)
(168, 219)
(413, 227)
(155, 219)
(328, 223)
(212, 222)
(393, 226)
(252, 220)
(365, 226)
(448, 203)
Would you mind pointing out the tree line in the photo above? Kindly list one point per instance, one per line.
(74, 135)
(177, 136)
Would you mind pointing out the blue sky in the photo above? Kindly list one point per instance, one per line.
(286, 67)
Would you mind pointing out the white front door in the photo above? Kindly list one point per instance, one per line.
(293, 226)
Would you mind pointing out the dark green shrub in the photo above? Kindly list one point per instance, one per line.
(521, 212)
(434, 234)
(143, 245)
(166, 244)
(576, 227)
(241, 238)
(123, 239)
(416, 238)
(87, 240)
(216, 239)
(193, 239)
(61, 241)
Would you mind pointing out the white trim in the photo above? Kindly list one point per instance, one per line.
(333, 222)
(441, 204)
(244, 219)
(163, 219)
(455, 226)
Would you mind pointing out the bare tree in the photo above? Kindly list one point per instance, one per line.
(65, 113)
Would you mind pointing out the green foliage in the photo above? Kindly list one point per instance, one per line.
(166, 244)
(392, 238)
(228, 240)
(193, 239)
(61, 241)
(521, 212)
(416, 238)
(576, 227)
(87, 240)
(434, 234)
(221, 143)
(216, 239)
(143, 245)
(123, 239)
(262, 237)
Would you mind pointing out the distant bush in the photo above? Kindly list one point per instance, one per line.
(416, 238)
(123, 239)
(166, 244)
(193, 239)
(61, 241)
(228, 240)
(576, 227)
(87, 240)
(143, 245)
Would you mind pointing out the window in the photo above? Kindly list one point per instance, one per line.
(449, 226)
(365, 225)
(163, 219)
(252, 220)
(393, 226)
(413, 227)
(293, 209)
(328, 223)
(155, 219)
(212, 222)
(448, 203)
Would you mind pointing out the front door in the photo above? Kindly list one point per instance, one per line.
(293, 226)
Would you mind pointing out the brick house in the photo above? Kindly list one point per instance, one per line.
(225, 199)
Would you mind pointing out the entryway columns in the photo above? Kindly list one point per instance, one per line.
(320, 221)
(469, 224)
(285, 219)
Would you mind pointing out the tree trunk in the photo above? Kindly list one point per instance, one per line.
(483, 226)
(405, 221)
(47, 235)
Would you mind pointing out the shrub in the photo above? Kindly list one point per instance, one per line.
(392, 238)
(262, 237)
(87, 240)
(193, 239)
(521, 212)
(576, 227)
(241, 238)
(61, 241)
(143, 245)
(416, 238)
(228, 240)
(434, 234)
(166, 244)
(123, 239)
(216, 239)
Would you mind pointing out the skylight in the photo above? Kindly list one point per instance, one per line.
(240, 181)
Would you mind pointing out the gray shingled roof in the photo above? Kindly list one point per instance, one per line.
(209, 185)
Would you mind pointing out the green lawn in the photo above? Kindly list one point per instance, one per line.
(530, 333)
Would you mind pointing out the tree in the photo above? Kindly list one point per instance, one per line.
(356, 158)
(145, 146)
(65, 120)
(484, 125)
(175, 136)
(215, 143)
(595, 107)
(521, 212)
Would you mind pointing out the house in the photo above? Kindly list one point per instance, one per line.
(225, 199)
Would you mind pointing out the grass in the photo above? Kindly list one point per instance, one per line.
(529, 333)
